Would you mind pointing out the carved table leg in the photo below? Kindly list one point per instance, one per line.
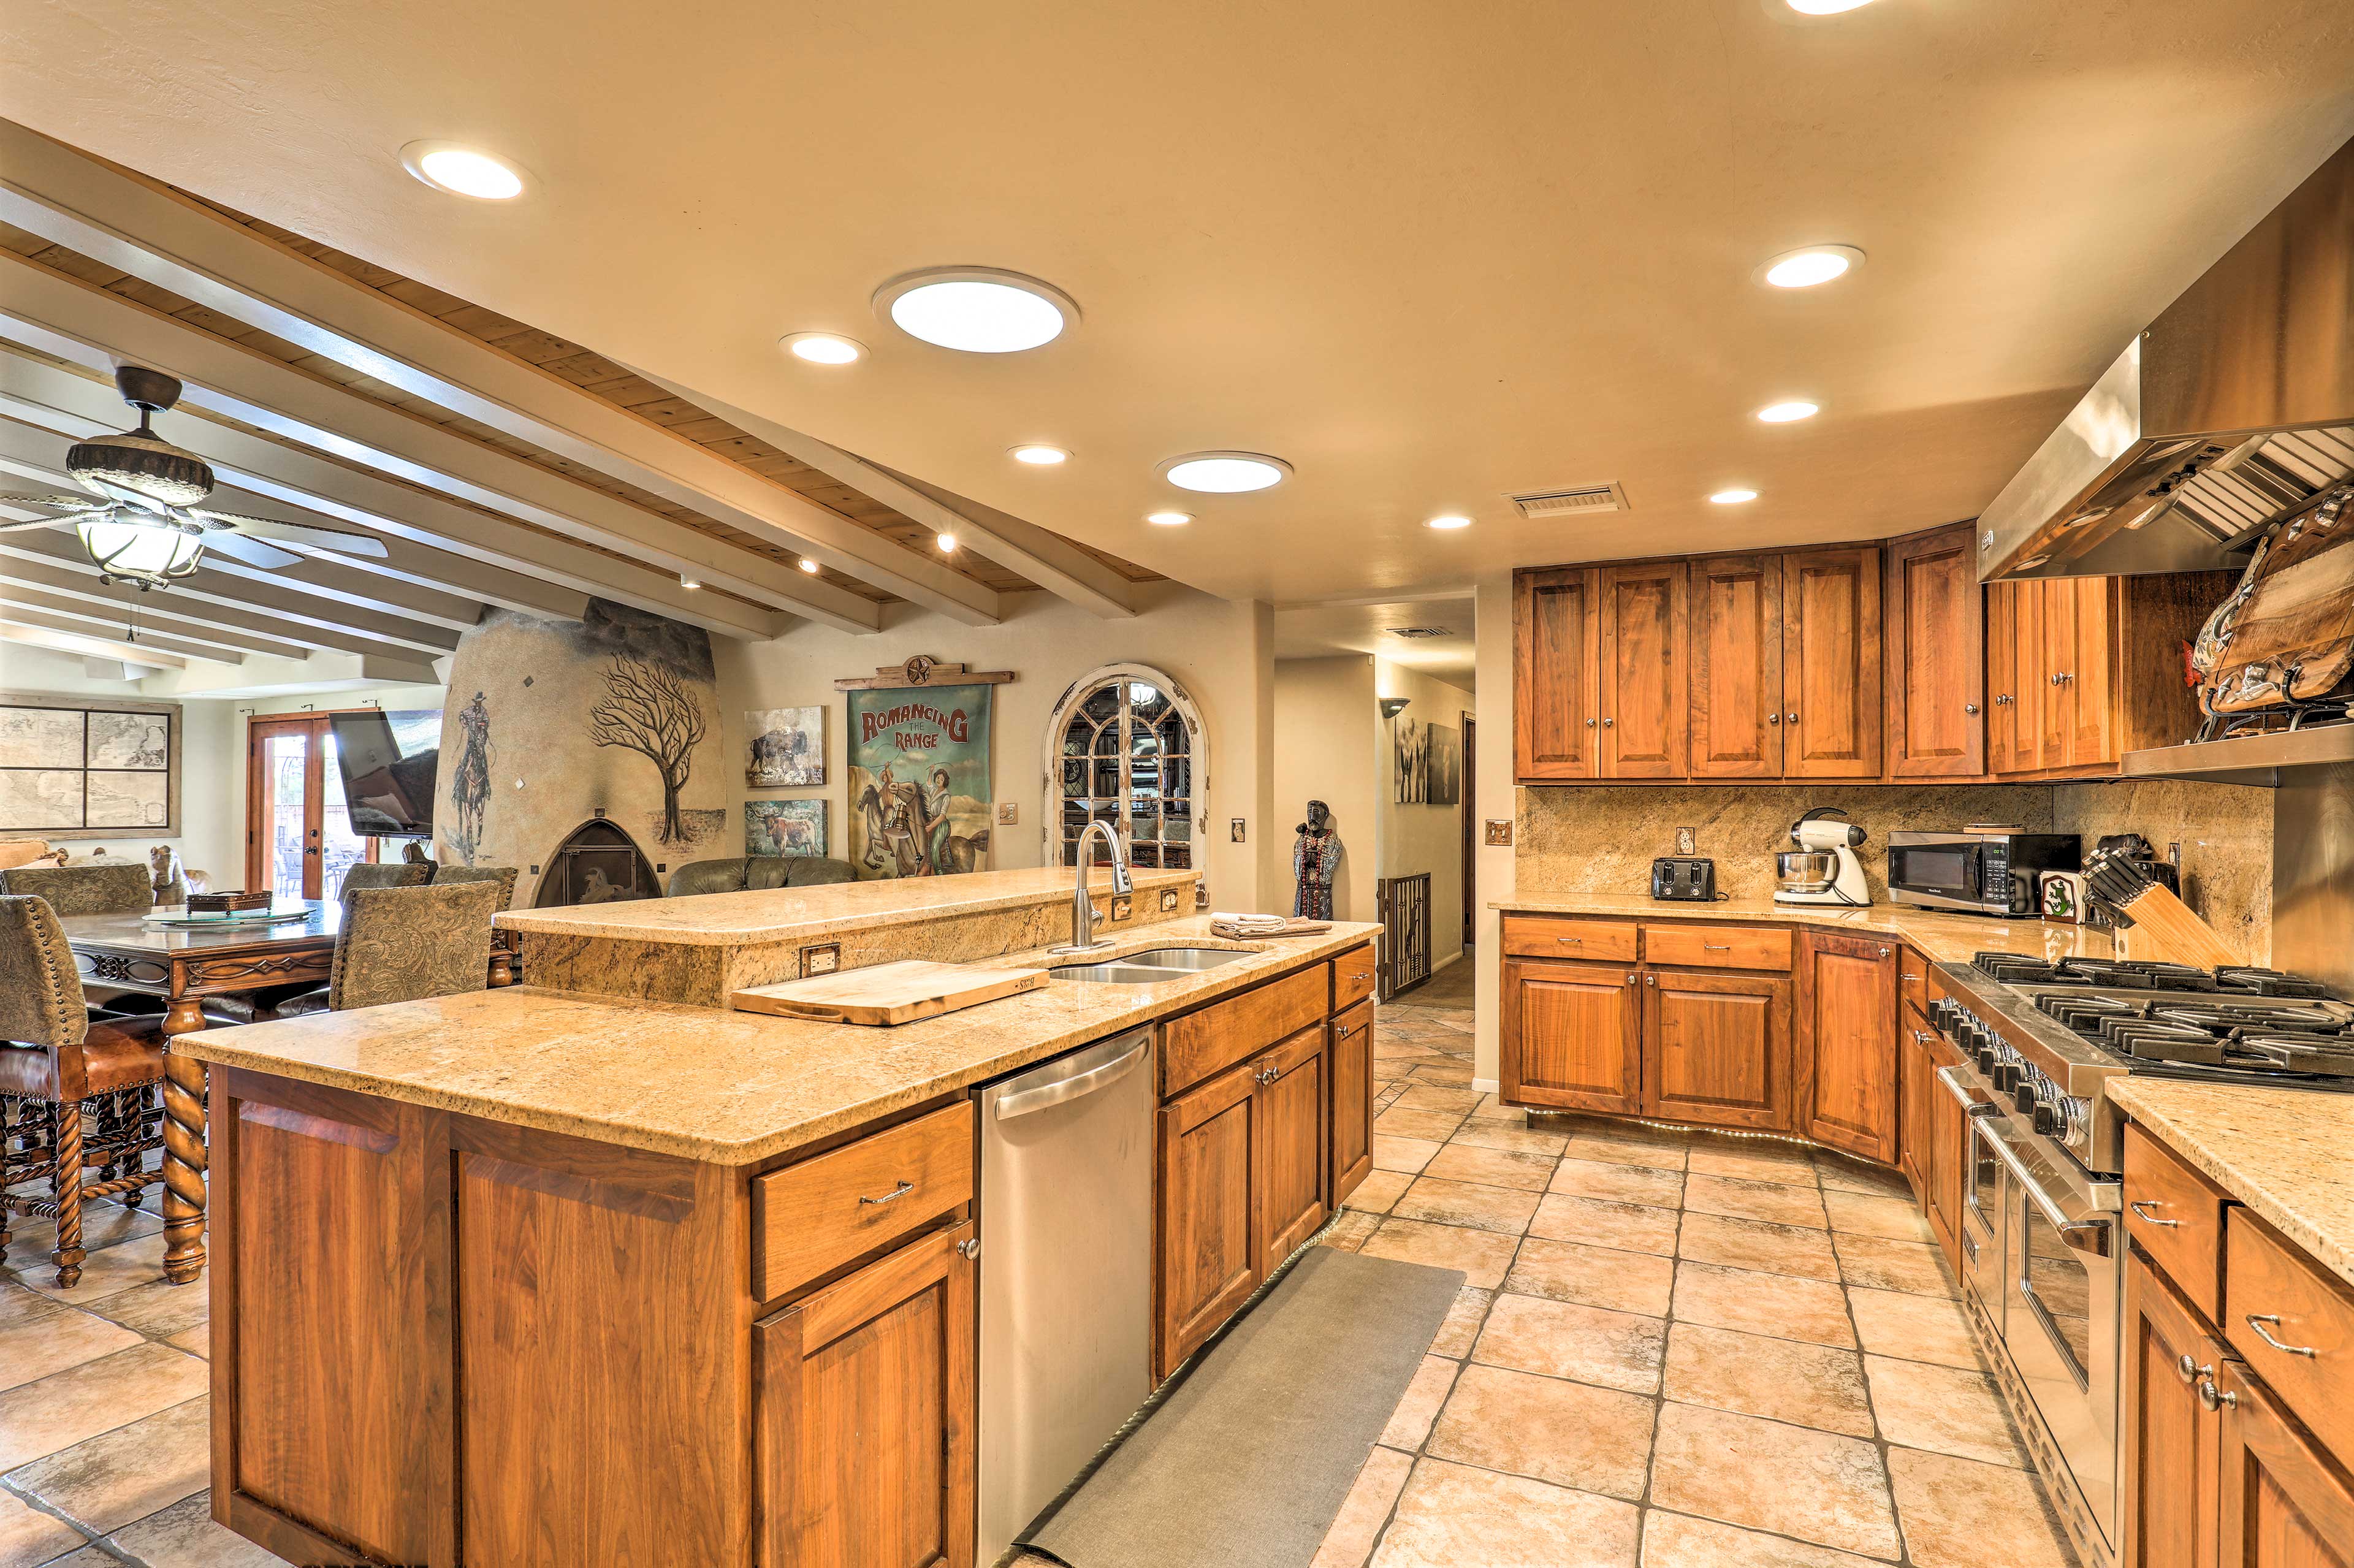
(184, 1149)
(68, 1252)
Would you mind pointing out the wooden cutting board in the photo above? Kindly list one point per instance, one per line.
(883, 994)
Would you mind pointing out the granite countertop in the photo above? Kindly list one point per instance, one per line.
(805, 914)
(1944, 938)
(715, 1085)
(2288, 1154)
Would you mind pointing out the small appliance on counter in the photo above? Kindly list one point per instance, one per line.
(1981, 870)
(2063, 896)
(1684, 877)
(1824, 868)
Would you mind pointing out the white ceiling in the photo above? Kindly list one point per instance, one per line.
(1429, 253)
(1322, 631)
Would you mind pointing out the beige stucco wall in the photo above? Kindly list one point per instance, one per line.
(1420, 838)
(1325, 715)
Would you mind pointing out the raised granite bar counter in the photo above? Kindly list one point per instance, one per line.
(1942, 939)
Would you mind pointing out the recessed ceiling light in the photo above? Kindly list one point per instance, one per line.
(809, 565)
(1825, 7)
(1815, 264)
(978, 310)
(1733, 497)
(462, 171)
(1450, 521)
(689, 580)
(1783, 413)
(947, 543)
(1040, 456)
(1225, 473)
(823, 347)
(1168, 519)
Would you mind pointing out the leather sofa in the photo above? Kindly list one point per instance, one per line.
(757, 871)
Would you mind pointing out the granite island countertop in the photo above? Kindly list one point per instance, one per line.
(1943, 937)
(2288, 1154)
(715, 1085)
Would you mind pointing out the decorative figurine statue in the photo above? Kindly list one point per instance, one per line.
(170, 883)
(1315, 855)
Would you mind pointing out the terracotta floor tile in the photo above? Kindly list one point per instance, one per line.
(1942, 1409)
(1842, 1175)
(1878, 1264)
(1891, 1219)
(63, 1409)
(1594, 1277)
(28, 1536)
(1743, 1200)
(1364, 1511)
(1958, 1513)
(1505, 1135)
(1816, 1486)
(104, 1272)
(22, 1304)
(1585, 1344)
(1497, 1209)
(1572, 1434)
(1600, 1221)
(1490, 1109)
(158, 1310)
(1789, 1167)
(103, 1225)
(1782, 1380)
(1461, 1329)
(1418, 1406)
(1399, 1122)
(1451, 1516)
(1453, 1076)
(1437, 1097)
(1676, 1541)
(1913, 1327)
(43, 1345)
(109, 1480)
(1407, 1154)
(196, 1341)
(1492, 1167)
(1379, 1190)
(1746, 1243)
(1347, 1234)
(1621, 1182)
(1646, 1153)
(1779, 1305)
(185, 1536)
(1483, 1255)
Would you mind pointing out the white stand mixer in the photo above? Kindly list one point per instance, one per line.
(1824, 868)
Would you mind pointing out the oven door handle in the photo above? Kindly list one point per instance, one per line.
(1971, 1104)
(2084, 1234)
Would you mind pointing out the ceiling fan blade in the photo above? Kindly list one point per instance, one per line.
(293, 533)
(36, 522)
(252, 551)
(62, 502)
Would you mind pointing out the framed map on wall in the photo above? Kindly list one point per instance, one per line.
(88, 768)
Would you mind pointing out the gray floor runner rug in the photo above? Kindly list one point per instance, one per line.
(1247, 1464)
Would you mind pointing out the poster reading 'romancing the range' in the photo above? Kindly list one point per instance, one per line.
(919, 780)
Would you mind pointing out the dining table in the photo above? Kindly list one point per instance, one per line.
(184, 965)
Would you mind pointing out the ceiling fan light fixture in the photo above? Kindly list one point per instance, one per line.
(151, 554)
(463, 171)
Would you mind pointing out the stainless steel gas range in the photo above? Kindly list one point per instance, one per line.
(2042, 1245)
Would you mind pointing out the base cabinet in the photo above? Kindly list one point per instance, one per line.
(1572, 1036)
(1289, 1193)
(2171, 1437)
(1210, 1252)
(1716, 1049)
(1352, 1071)
(1848, 1061)
(2283, 1503)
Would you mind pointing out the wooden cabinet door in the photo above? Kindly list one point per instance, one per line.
(1210, 1242)
(1736, 667)
(1716, 1049)
(2168, 1442)
(1572, 1036)
(2284, 1503)
(1350, 1143)
(864, 1442)
(1916, 1090)
(2002, 678)
(1848, 1045)
(2055, 647)
(1287, 1195)
(1645, 718)
(2091, 668)
(1830, 664)
(1556, 675)
(1935, 645)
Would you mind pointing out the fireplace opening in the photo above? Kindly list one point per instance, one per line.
(596, 863)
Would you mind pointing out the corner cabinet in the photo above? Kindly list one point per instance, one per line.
(1936, 647)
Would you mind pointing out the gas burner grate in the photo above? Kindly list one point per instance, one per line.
(2134, 974)
(2256, 981)
(2013, 969)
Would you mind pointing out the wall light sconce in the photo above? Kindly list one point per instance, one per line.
(1392, 707)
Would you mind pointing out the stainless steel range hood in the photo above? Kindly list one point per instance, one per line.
(2235, 408)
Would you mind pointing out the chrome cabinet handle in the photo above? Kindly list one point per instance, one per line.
(2257, 1321)
(2142, 1207)
(2000, 698)
(2214, 1398)
(1885, 951)
(1630, 979)
(1792, 717)
(970, 1248)
(2190, 1371)
(1716, 948)
(1589, 724)
(1922, 1037)
(1607, 723)
(901, 1190)
(1650, 979)
(1774, 718)
(1578, 941)
(1970, 708)
(1362, 974)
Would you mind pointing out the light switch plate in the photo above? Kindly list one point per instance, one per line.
(1234, 829)
(1122, 907)
(1499, 834)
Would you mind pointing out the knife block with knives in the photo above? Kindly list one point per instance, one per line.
(2166, 922)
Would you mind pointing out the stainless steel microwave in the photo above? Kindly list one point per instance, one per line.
(1979, 874)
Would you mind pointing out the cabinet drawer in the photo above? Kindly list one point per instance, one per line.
(1913, 977)
(1717, 947)
(2177, 1215)
(1200, 1045)
(2272, 1288)
(1544, 936)
(814, 1216)
(1353, 978)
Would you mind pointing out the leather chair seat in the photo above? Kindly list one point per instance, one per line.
(304, 1005)
(118, 1053)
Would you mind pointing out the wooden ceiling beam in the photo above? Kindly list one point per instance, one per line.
(64, 592)
(151, 231)
(30, 607)
(37, 636)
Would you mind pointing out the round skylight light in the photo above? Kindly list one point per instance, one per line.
(976, 310)
(1225, 473)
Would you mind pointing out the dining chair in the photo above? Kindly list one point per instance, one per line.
(124, 888)
(75, 1094)
(406, 944)
(388, 873)
(503, 876)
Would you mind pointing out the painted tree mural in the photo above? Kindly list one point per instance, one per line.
(649, 710)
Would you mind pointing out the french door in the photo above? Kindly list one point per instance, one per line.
(298, 832)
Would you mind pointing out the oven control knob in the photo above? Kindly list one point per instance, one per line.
(2025, 1099)
(2048, 1120)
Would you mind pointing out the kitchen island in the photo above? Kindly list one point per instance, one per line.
(542, 1276)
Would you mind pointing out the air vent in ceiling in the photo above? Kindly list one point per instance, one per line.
(1419, 631)
(1577, 498)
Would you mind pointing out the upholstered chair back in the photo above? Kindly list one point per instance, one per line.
(40, 993)
(389, 873)
(126, 887)
(503, 876)
(405, 944)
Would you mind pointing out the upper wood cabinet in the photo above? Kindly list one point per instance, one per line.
(1736, 667)
(2084, 670)
(1830, 664)
(1936, 672)
(1644, 720)
(1556, 675)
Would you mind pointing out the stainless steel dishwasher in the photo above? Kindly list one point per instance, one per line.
(1065, 1272)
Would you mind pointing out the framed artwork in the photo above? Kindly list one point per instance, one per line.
(88, 768)
(1409, 748)
(1443, 764)
(785, 827)
(919, 780)
(787, 747)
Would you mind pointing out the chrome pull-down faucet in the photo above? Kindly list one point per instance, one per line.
(1083, 913)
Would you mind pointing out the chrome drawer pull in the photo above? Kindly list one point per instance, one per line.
(1714, 947)
(2214, 1398)
(2142, 1207)
(2190, 1371)
(901, 1190)
(1578, 941)
(2257, 1321)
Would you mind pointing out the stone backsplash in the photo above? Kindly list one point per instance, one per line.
(2226, 834)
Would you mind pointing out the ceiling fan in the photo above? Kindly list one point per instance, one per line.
(145, 528)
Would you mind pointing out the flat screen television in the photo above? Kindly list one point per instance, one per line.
(387, 763)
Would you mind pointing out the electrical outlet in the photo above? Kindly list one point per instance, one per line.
(1008, 814)
(1499, 834)
(824, 959)
(1169, 900)
(2174, 856)
(1687, 841)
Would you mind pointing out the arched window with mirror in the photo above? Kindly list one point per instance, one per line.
(1125, 746)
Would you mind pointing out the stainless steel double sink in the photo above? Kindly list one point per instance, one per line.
(1150, 967)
